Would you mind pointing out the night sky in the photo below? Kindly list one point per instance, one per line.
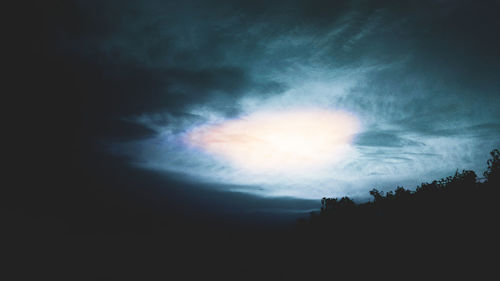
(133, 91)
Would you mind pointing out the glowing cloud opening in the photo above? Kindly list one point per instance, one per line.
(279, 141)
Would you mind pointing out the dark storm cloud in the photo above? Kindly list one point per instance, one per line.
(198, 44)
(421, 75)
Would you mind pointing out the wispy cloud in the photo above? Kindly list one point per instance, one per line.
(420, 77)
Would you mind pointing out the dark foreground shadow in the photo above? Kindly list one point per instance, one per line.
(444, 229)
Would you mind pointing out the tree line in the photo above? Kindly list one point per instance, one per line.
(462, 202)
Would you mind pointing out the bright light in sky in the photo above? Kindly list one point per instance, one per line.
(286, 141)
(309, 152)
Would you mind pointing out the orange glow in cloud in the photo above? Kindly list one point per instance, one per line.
(279, 141)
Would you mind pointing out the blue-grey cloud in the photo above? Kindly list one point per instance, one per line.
(384, 139)
(420, 76)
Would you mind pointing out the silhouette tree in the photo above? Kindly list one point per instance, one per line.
(377, 195)
(450, 204)
(402, 194)
(493, 171)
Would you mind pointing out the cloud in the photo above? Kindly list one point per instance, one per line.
(420, 76)
(384, 139)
